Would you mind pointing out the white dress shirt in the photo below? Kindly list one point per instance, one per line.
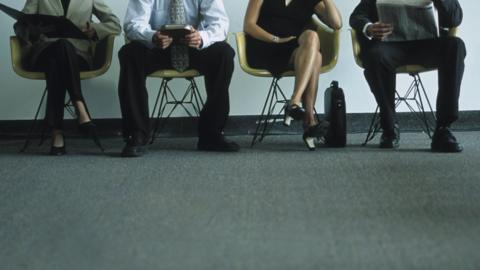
(144, 17)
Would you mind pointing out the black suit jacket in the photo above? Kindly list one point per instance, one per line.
(450, 15)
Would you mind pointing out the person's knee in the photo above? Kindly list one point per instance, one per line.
(319, 59)
(224, 51)
(310, 38)
(374, 57)
(221, 54)
(131, 51)
(61, 48)
(455, 44)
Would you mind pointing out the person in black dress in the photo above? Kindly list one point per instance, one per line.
(279, 39)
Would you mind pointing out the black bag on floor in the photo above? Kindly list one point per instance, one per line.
(336, 114)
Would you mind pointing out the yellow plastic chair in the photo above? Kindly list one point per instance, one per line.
(166, 96)
(103, 51)
(415, 97)
(330, 40)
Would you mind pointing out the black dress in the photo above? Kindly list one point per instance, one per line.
(282, 21)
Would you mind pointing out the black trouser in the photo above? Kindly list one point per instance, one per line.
(62, 67)
(215, 63)
(382, 58)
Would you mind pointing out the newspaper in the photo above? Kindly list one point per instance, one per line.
(411, 19)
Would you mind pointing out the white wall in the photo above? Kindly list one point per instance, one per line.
(19, 97)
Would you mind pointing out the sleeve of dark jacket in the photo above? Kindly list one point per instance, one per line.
(364, 13)
(450, 13)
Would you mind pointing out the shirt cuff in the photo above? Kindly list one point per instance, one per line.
(149, 36)
(365, 30)
(205, 39)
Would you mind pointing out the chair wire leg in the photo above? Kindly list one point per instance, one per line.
(414, 95)
(68, 106)
(197, 97)
(159, 104)
(374, 127)
(260, 118)
(421, 108)
(273, 103)
(181, 102)
(270, 110)
(434, 117)
(194, 83)
(166, 101)
(33, 125)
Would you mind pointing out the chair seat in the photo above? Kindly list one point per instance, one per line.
(330, 47)
(35, 75)
(407, 69)
(413, 69)
(263, 72)
(172, 73)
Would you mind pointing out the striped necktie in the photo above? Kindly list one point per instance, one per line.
(65, 4)
(179, 53)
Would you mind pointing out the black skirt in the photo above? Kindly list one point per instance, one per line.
(274, 57)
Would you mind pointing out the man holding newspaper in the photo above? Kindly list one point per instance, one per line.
(394, 33)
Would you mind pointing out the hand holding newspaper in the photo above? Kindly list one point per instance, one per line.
(411, 19)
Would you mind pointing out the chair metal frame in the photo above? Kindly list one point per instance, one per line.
(166, 97)
(415, 97)
(18, 68)
(275, 96)
(416, 100)
(267, 117)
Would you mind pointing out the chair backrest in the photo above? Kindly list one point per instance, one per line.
(101, 61)
(17, 66)
(330, 45)
(356, 48)
(410, 69)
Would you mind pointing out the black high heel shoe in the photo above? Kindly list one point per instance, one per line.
(293, 112)
(89, 129)
(57, 151)
(314, 133)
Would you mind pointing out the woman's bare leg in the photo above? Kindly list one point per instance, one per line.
(304, 60)
(83, 116)
(310, 95)
(57, 138)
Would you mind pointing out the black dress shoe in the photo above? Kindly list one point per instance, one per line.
(218, 144)
(293, 112)
(89, 130)
(390, 140)
(57, 151)
(443, 141)
(314, 133)
(135, 146)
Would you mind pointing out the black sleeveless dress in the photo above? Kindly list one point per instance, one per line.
(281, 21)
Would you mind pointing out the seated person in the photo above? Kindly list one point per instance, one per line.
(279, 39)
(203, 49)
(63, 59)
(381, 59)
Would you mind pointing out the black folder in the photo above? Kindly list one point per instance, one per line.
(50, 26)
(177, 31)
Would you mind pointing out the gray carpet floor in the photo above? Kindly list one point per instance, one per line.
(276, 206)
